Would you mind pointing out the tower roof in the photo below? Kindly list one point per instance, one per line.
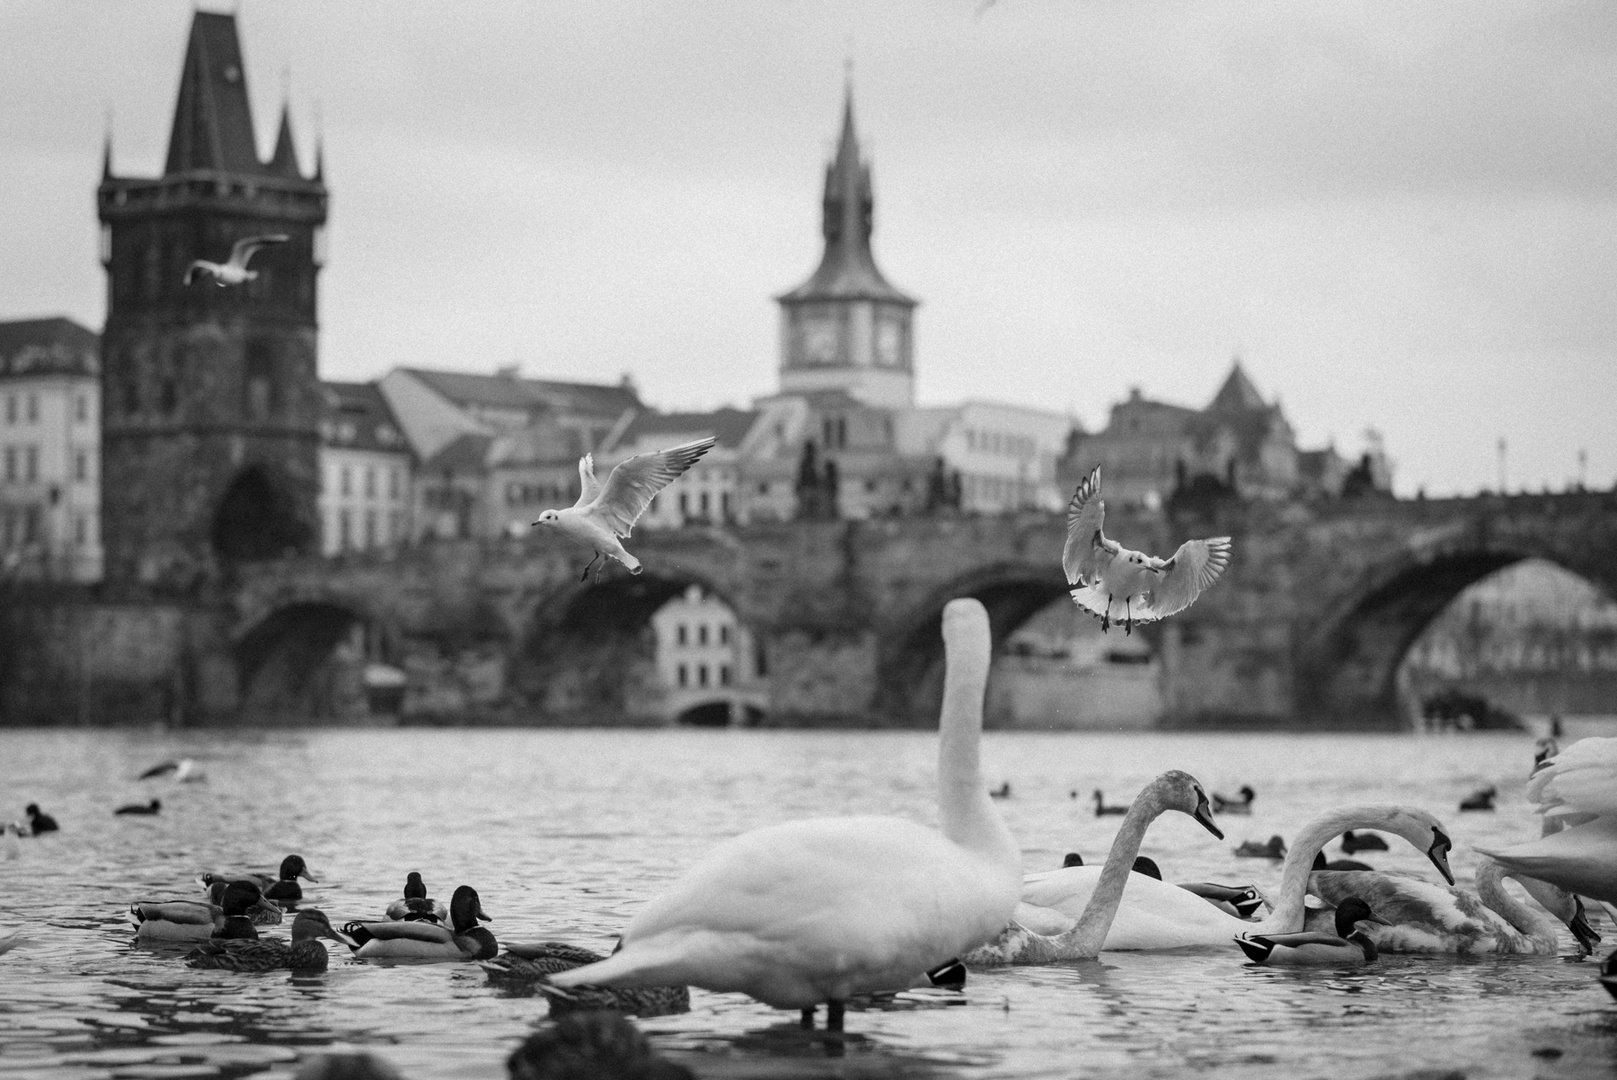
(284, 162)
(847, 271)
(1237, 394)
(213, 120)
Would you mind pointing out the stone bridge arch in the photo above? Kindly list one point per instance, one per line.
(910, 659)
(1346, 669)
(286, 654)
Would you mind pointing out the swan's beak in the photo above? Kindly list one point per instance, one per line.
(1204, 814)
(1587, 937)
(1439, 854)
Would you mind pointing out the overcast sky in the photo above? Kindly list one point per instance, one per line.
(1401, 215)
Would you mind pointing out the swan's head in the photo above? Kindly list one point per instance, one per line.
(1180, 791)
(548, 517)
(1417, 826)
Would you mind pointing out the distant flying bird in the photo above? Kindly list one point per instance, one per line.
(234, 270)
(603, 515)
(1108, 574)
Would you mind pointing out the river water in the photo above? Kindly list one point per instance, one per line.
(565, 833)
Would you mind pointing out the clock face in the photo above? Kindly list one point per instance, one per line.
(889, 344)
(819, 342)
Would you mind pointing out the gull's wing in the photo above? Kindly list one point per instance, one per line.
(1194, 567)
(588, 486)
(1080, 558)
(630, 488)
(243, 249)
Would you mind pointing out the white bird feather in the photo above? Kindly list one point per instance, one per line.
(233, 271)
(1109, 575)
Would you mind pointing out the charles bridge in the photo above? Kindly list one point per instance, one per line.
(1307, 627)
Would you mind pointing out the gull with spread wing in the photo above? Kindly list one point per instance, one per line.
(1107, 574)
(603, 515)
(233, 271)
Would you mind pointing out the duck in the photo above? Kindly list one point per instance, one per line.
(415, 905)
(153, 807)
(463, 939)
(1158, 915)
(196, 920)
(1349, 945)
(305, 953)
(1426, 918)
(282, 886)
(813, 912)
(1072, 858)
(262, 913)
(1362, 841)
(1321, 863)
(1001, 792)
(537, 962)
(1225, 804)
(1102, 810)
(600, 1045)
(1035, 937)
(1578, 786)
(39, 821)
(1272, 848)
(1480, 799)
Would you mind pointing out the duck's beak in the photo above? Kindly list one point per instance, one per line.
(1587, 936)
(1439, 854)
(1204, 814)
(1377, 919)
(483, 915)
(307, 876)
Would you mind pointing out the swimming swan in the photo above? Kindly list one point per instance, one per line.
(820, 910)
(1156, 915)
(1425, 918)
(1032, 939)
(1578, 785)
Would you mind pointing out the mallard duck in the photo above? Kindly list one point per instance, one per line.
(1362, 841)
(39, 821)
(305, 953)
(823, 909)
(195, 920)
(1273, 848)
(262, 912)
(153, 807)
(1225, 804)
(1320, 863)
(1480, 799)
(280, 886)
(1349, 945)
(418, 940)
(536, 963)
(416, 906)
(598, 1044)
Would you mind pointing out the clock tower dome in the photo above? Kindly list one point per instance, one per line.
(846, 328)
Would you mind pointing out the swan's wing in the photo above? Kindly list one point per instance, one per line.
(1085, 554)
(243, 249)
(1194, 567)
(630, 488)
(588, 487)
(1582, 779)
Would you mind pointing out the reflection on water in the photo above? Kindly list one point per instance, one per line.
(564, 833)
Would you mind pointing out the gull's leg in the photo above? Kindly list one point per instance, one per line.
(1106, 619)
(587, 566)
(833, 1015)
(1128, 616)
(806, 1021)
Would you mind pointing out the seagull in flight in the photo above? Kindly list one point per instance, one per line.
(1106, 573)
(602, 516)
(234, 270)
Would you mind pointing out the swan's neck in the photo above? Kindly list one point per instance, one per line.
(1085, 939)
(1287, 916)
(965, 810)
(1491, 891)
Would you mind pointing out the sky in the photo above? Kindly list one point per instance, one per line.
(1400, 216)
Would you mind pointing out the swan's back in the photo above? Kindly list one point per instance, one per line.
(1153, 914)
(1426, 917)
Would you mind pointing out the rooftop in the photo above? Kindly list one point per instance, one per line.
(512, 391)
(51, 346)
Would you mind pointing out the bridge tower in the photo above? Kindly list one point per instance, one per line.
(846, 328)
(210, 396)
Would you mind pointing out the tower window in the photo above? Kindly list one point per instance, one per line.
(33, 408)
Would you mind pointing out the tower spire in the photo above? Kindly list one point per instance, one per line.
(284, 162)
(213, 119)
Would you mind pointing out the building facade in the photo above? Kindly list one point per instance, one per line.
(711, 491)
(50, 457)
(366, 472)
(1005, 456)
(707, 662)
(210, 437)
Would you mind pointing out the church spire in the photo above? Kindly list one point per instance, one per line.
(284, 162)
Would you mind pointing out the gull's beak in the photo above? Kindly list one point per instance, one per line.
(1587, 937)
(1204, 814)
(1439, 854)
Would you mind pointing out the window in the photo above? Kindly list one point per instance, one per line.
(684, 673)
(346, 484)
(681, 637)
(81, 530)
(370, 528)
(724, 635)
(370, 481)
(704, 504)
(30, 463)
(724, 675)
(81, 407)
(393, 483)
(81, 465)
(684, 504)
(30, 525)
(11, 463)
(701, 637)
(345, 530)
(33, 408)
(11, 408)
(701, 670)
(724, 504)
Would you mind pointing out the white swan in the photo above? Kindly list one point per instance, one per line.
(1157, 915)
(821, 910)
(1043, 944)
(1579, 786)
(1421, 917)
